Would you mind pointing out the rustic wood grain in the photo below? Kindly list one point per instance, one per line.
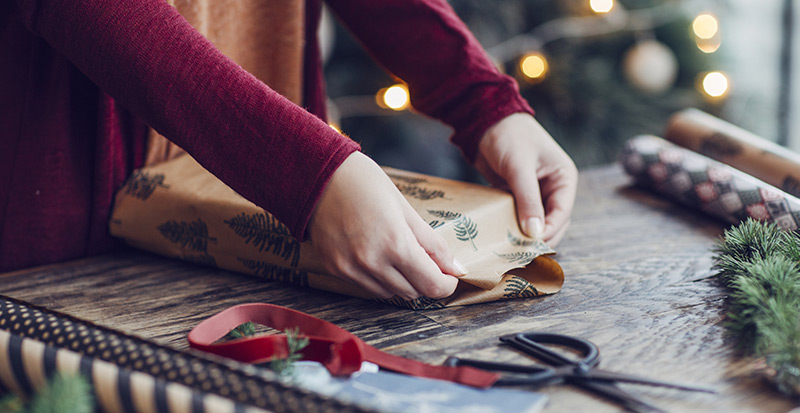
(638, 285)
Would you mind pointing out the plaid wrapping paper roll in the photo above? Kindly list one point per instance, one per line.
(703, 183)
(180, 210)
(130, 374)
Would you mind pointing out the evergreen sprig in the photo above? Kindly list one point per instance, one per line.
(760, 265)
(63, 393)
(283, 366)
(243, 330)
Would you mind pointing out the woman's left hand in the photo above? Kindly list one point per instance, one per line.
(517, 154)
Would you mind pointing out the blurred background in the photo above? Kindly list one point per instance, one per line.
(597, 72)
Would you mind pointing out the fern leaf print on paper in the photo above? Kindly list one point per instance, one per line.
(200, 259)
(141, 184)
(518, 287)
(191, 235)
(267, 234)
(407, 179)
(418, 192)
(273, 272)
(436, 223)
(444, 214)
(519, 242)
(522, 257)
(466, 230)
(421, 303)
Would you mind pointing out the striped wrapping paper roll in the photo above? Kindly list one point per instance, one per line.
(26, 365)
(705, 184)
(130, 374)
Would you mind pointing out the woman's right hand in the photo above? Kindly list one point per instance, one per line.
(366, 232)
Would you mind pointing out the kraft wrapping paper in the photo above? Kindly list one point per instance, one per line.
(178, 209)
(130, 374)
(729, 144)
(705, 184)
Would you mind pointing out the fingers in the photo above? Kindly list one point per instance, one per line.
(424, 274)
(365, 232)
(560, 188)
(530, 211)
(433, 244)
(538, 172)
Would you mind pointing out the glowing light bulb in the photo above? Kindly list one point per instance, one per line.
(394, 97)
(709, 45)
(533, 66)
(715, 84)
(705, 26)
(601, 6)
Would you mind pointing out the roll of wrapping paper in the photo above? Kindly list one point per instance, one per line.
(736, 147)
(705, 184)
(132, 374)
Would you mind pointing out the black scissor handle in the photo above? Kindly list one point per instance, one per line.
(527, 375)
(532, 344)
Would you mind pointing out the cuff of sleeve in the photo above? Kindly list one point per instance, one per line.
(338, 155)
(490, 108)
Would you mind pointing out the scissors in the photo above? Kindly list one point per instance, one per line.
(580, 371)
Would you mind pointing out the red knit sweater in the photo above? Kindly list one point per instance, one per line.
(81, 79)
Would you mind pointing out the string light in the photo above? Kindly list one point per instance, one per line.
(705, 26)
(394, 97)
(710, 45)
(715, 84)
(706, 32)
(533, 66)
(601, 6)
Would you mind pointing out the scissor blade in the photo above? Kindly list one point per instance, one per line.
(614, 393)
(596, 374)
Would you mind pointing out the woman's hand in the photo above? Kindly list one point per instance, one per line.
(519, 155)
(367, 233)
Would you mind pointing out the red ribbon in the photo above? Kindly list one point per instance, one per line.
(337, 349)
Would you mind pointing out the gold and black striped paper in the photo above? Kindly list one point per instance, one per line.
(129, 374)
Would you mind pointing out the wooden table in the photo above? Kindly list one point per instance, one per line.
(638, 285)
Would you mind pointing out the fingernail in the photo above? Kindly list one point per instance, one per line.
(459, 267)
(533, 228)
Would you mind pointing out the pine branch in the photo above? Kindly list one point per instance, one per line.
(11, 404)
(64, 393)
(243, 330)
(285, 366)
(282, 366)
(760, 266)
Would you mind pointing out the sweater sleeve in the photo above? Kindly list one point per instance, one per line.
(450, 76)
(147, 57)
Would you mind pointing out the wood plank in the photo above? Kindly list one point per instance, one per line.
(638, 284)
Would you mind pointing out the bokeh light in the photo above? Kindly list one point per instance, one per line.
(705, 26)
(601, 6)
(395, 97)
(533, 66)
(715, 84)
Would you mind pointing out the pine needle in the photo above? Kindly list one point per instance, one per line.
(243, 330)
(64, 393)
(285, 366)
(760, 265)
